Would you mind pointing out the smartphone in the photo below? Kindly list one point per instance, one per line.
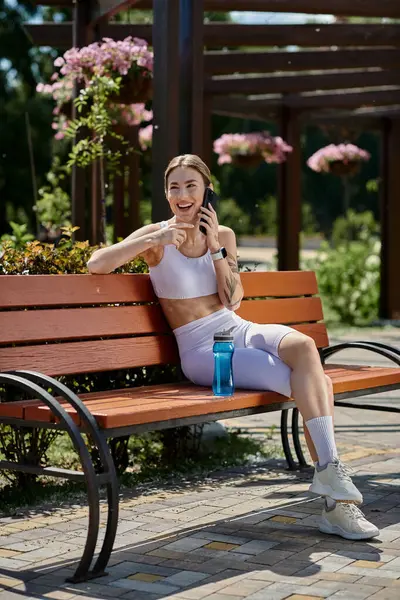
(210, 197)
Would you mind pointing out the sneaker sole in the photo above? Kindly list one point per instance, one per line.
(327, 490)
(336, 530)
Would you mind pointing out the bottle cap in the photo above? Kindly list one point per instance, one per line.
(224, 336)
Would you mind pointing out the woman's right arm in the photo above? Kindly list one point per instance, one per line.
(105, 260)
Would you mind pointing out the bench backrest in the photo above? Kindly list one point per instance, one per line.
(69, 324)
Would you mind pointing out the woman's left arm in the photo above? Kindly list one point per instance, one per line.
(230, 289)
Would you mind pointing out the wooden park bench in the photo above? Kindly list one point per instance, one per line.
(53, 325)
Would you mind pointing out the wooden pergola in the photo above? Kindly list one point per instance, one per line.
(341, 72)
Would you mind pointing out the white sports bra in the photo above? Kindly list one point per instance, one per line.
(177, 276)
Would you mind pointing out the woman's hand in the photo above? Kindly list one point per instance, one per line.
(173, 234)
(210, 224)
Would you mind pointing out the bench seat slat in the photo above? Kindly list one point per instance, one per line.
(161, 402)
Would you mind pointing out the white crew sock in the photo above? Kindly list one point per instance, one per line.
(323, 437)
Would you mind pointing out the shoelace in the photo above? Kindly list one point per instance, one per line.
(344, 471)
(353, 511)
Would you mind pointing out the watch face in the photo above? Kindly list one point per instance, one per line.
(224, 252)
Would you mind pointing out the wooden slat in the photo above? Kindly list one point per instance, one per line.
(285, 311)
(80, 323)
(279, 283)
(160, 403)
(236, 61)
(90, 357)
(217, 35)
(69, 290)
(278, 84)
(75, 290)
(357, 8)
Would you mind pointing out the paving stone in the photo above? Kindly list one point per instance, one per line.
(244, 588)
(186, 578)
(356, 592)
(143, 586)
(255, 547)
(186, 544)
(221, 546)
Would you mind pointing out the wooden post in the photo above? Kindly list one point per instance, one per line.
(80, 35)
(289, 197)
(207, 153)
(133, 220)
(191, 76)
(165, 98)
(390, 220)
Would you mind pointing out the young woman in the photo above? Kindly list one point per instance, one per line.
(196, 279)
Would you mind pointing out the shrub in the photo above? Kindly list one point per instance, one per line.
(349, 279)
(354, 226)
(231, 215)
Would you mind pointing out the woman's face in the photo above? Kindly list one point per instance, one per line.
(185, 192)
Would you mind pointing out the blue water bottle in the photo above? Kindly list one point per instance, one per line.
(223, 374)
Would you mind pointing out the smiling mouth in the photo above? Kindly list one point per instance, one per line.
(184, 206)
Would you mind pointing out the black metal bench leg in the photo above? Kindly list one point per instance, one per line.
(109, 475)
(111, 531)
(285, 440)
(296, 439)
(87, 465)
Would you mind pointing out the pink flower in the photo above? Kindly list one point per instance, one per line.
(146, 137)
(272, 149)
(320, 160)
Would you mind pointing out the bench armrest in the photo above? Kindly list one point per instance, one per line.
(385, 350)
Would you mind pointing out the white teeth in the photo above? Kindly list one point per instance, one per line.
(184, 205)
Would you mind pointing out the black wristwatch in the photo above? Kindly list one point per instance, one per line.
(221, 253)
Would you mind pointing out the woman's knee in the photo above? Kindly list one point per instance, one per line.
(297, 347)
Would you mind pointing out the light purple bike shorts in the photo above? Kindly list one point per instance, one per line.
(256, 363)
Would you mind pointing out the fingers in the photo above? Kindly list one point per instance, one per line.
(181, 225)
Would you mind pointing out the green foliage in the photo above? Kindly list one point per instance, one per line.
(54, 204)
(19, 236)
(36, 258)
(231, 215)
(94, 118)
(348, 273)
(354, 226)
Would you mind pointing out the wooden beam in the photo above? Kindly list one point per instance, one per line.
(369, 113)
(357, 8)
(289, 197)
(300, 83)
(165, 99)
(191, 34)
(230, 34)
(390, 220)
(106, 9)
(245, 108)
(341, 99)
(221, 63)
(344, 99)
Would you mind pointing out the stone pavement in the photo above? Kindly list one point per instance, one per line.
(249, 533)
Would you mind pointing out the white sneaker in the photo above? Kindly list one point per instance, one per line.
(347, 521)
(334, 480)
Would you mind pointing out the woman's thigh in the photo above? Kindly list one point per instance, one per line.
(266, 337)
(253, 369)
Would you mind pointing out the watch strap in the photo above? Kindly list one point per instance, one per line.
(219, 254)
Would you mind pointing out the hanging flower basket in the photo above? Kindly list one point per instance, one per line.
(128, 62)
(247, 161)
(249, 150)
(341, 159)
(340, 168)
